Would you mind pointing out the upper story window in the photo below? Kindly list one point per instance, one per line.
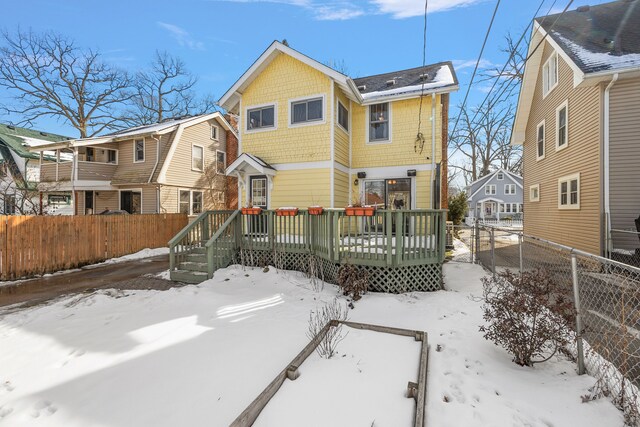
(214, 132)
(307, 110)
(379, 122)
(562, 126)
(534, 193)
(509, 189)
(91, 154)
(261, 118)
(550, 74)
(500, 176)
(221, 162)
(490, 189)
(343, 116)
(540, 141)
(112, 156)
(197, 158)
(569, 192)
(138, 150)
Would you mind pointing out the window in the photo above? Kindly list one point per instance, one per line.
(197, 158)
(91, 154)
(196, 202)
(221, 162)
(343, 116)
(190, 202)
(509, 189)
(540, 139)
(9, 204)
(308, 110)
(534, 193)
(214, 132)
(259, 118)
(562, 126)
(569, 192)
(490, 189)
(550, 74)
(112, 156)
(138, 150)
(379, 122)
(184, 202)
(500, 176)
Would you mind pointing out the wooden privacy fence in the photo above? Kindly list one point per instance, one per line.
(32, 245)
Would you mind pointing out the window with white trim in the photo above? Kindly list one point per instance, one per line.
(214, 132)
(262, 117)
(197, 158)
(343, 116)
(184, 202)
(221, 162)
(550, 74)
(534, 193)
(490, 189)
(307, 110)
(540, 141)
(509, 189)
(569, 192)
(138, 150)
(379, 122)
(196, 202)
(500, 176)
(562, 126)
(190, 202)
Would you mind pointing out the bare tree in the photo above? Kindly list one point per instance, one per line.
(48, 76)
(166, 91)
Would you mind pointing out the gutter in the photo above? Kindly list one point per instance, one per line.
(607, 202)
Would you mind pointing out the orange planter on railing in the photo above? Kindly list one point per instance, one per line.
(287, 212)
(359, 210)
(315, 210)
(251, 211)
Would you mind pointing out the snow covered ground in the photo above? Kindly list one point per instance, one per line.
(198, 355)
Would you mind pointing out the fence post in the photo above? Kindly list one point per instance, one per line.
(520, 238)
(576, 297)
(476, 241)
(493, 251)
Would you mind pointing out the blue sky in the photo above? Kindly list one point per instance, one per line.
(219, 40)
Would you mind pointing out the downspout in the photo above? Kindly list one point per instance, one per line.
(154, 171)
(607, 203)
(433, 149)
(74, 173)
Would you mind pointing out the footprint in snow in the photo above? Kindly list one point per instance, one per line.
(43, 407)
(7, 386)
(5, 410)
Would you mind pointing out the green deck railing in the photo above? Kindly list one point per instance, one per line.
(392, 238)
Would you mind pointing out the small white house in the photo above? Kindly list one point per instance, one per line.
(495, 198)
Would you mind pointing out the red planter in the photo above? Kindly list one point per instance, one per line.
(315, 210)
(287, 212)
(360, 211)
(251, 211)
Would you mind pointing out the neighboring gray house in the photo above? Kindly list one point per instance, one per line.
(497, 196)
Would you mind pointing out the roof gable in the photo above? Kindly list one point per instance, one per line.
(19, 140)
(492, 177)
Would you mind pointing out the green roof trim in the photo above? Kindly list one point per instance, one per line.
(13, 138)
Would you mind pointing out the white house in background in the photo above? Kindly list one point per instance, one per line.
(496, 197)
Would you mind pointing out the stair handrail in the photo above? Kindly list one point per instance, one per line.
(222, 228)
(174, 241)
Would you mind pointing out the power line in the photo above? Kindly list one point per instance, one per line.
(420, 137)
(475, 69)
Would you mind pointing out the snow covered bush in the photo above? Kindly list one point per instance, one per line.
(320, 318)
(353, 281)
(528, 314)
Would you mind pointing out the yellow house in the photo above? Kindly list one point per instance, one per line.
(312, 136)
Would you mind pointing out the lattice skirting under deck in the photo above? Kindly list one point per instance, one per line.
(426, 277)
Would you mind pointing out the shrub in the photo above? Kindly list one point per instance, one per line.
(528, 314)
(457, 207)
(319, 319)
(353, 281)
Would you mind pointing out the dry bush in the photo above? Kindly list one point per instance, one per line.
(315, 273)
(320, 318)
(353, 281)
(528, 314)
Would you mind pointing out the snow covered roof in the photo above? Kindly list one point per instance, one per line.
(19, 140)
(406, 82)
(604, 37)
(153, 128)
(248, 162)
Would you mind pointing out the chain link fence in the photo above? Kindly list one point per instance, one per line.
(606, 298)
(625, 246)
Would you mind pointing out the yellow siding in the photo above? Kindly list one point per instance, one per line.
(341, 189)
(576, 228)
(284, 79)
(300, 188)
(404, 129)
(423, 190)
(341, 137)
